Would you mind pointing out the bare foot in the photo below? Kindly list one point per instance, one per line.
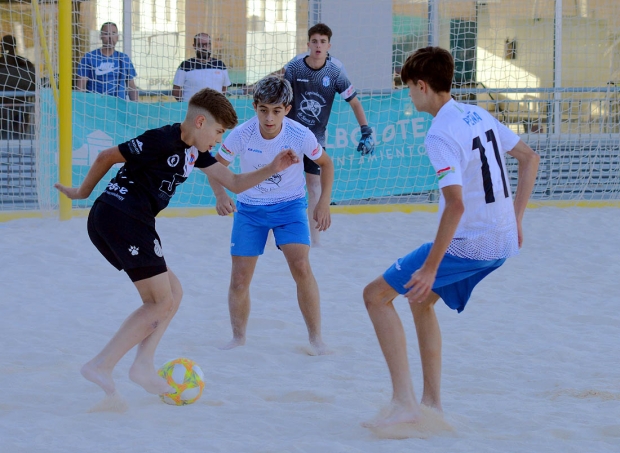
(147, 378)
(317, 347)
(103, 378)
(395, 414)
(233, 343)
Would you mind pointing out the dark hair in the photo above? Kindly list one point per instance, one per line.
(216, 104)
(320, 29)
(200, 34)
(273, 90)
(432, 65)
(8, 44)
(108, 23)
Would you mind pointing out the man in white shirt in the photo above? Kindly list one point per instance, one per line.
(201, 72)
(277, 204)
(479, 228)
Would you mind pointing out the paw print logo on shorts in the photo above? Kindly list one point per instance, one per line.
(133, 250)
(157, 248)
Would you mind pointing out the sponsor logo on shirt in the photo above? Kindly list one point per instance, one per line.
(444, 172)
(252, 150)
(303, 80)
(105, 68)
(310, 108)
(348, 92)
(316, 150)
(326, 81)
(135, 146)
(134, 250)
(173, 160)
(226, 150)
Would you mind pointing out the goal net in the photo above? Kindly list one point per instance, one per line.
(548, 69)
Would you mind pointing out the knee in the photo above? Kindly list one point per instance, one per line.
(369, 295)
(239, 285)
(301, 269)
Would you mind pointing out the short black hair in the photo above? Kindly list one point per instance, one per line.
(433, 65)
(320, 29)
(108, 23)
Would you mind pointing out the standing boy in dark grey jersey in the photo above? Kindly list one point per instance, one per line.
(316, 78)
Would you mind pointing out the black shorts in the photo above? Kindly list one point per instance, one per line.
(127, 243)
(311, 167)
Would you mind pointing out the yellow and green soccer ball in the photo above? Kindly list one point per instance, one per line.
(186, 378)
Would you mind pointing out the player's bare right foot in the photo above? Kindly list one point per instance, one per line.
(395, 414)
(147, 378)
(103, 378)
(233, 343)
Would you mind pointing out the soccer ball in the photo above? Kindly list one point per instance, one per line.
(186, 378)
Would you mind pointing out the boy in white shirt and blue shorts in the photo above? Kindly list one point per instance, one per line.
(480, 226)
(277, 204)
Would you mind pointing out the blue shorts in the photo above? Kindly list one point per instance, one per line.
(456, 277)
(252, 223)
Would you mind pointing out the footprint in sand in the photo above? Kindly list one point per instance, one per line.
(299, 396)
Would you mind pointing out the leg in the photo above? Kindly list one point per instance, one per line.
(429, 340)
(239, 297)
(313, 185)
(307, 293)
(143, 371)
(157, 306)
(378, 297)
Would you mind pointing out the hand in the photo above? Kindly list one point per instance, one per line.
(224, 205)
(420, 285)
(367, 144)
(322, 216)
(70, 192)
(284, 159)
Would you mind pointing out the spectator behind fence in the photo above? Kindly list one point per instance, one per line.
(16, 74)
(201, 72)
(106, 70)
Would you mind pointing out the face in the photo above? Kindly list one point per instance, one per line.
(203, 47)
(207, 133)
(270, 117)
(417, 94)
(319, 45)
(109, 36)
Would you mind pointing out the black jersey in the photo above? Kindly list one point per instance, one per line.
(157, 162)
(314, 91)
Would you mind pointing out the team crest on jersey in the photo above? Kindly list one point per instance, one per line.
(326, 81)
(173, 160)
(444, 172)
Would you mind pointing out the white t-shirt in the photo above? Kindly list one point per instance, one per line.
(255, 152)
(466, 146)
(193, 75)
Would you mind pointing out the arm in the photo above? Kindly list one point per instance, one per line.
(238, 183)
(224, 205)
(358, 111)
(528, 169)
(321, 212)
(423, 279)
(177, 92)
(81, 83)
(132, 90)
(100, 167)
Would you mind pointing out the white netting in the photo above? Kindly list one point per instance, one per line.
(550, 74)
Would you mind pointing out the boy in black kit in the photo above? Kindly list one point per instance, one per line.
(121, 223)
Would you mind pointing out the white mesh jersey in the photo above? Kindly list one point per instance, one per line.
(246, 142)
(466, 146)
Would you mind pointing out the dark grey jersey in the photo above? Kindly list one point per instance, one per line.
(314, 91)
